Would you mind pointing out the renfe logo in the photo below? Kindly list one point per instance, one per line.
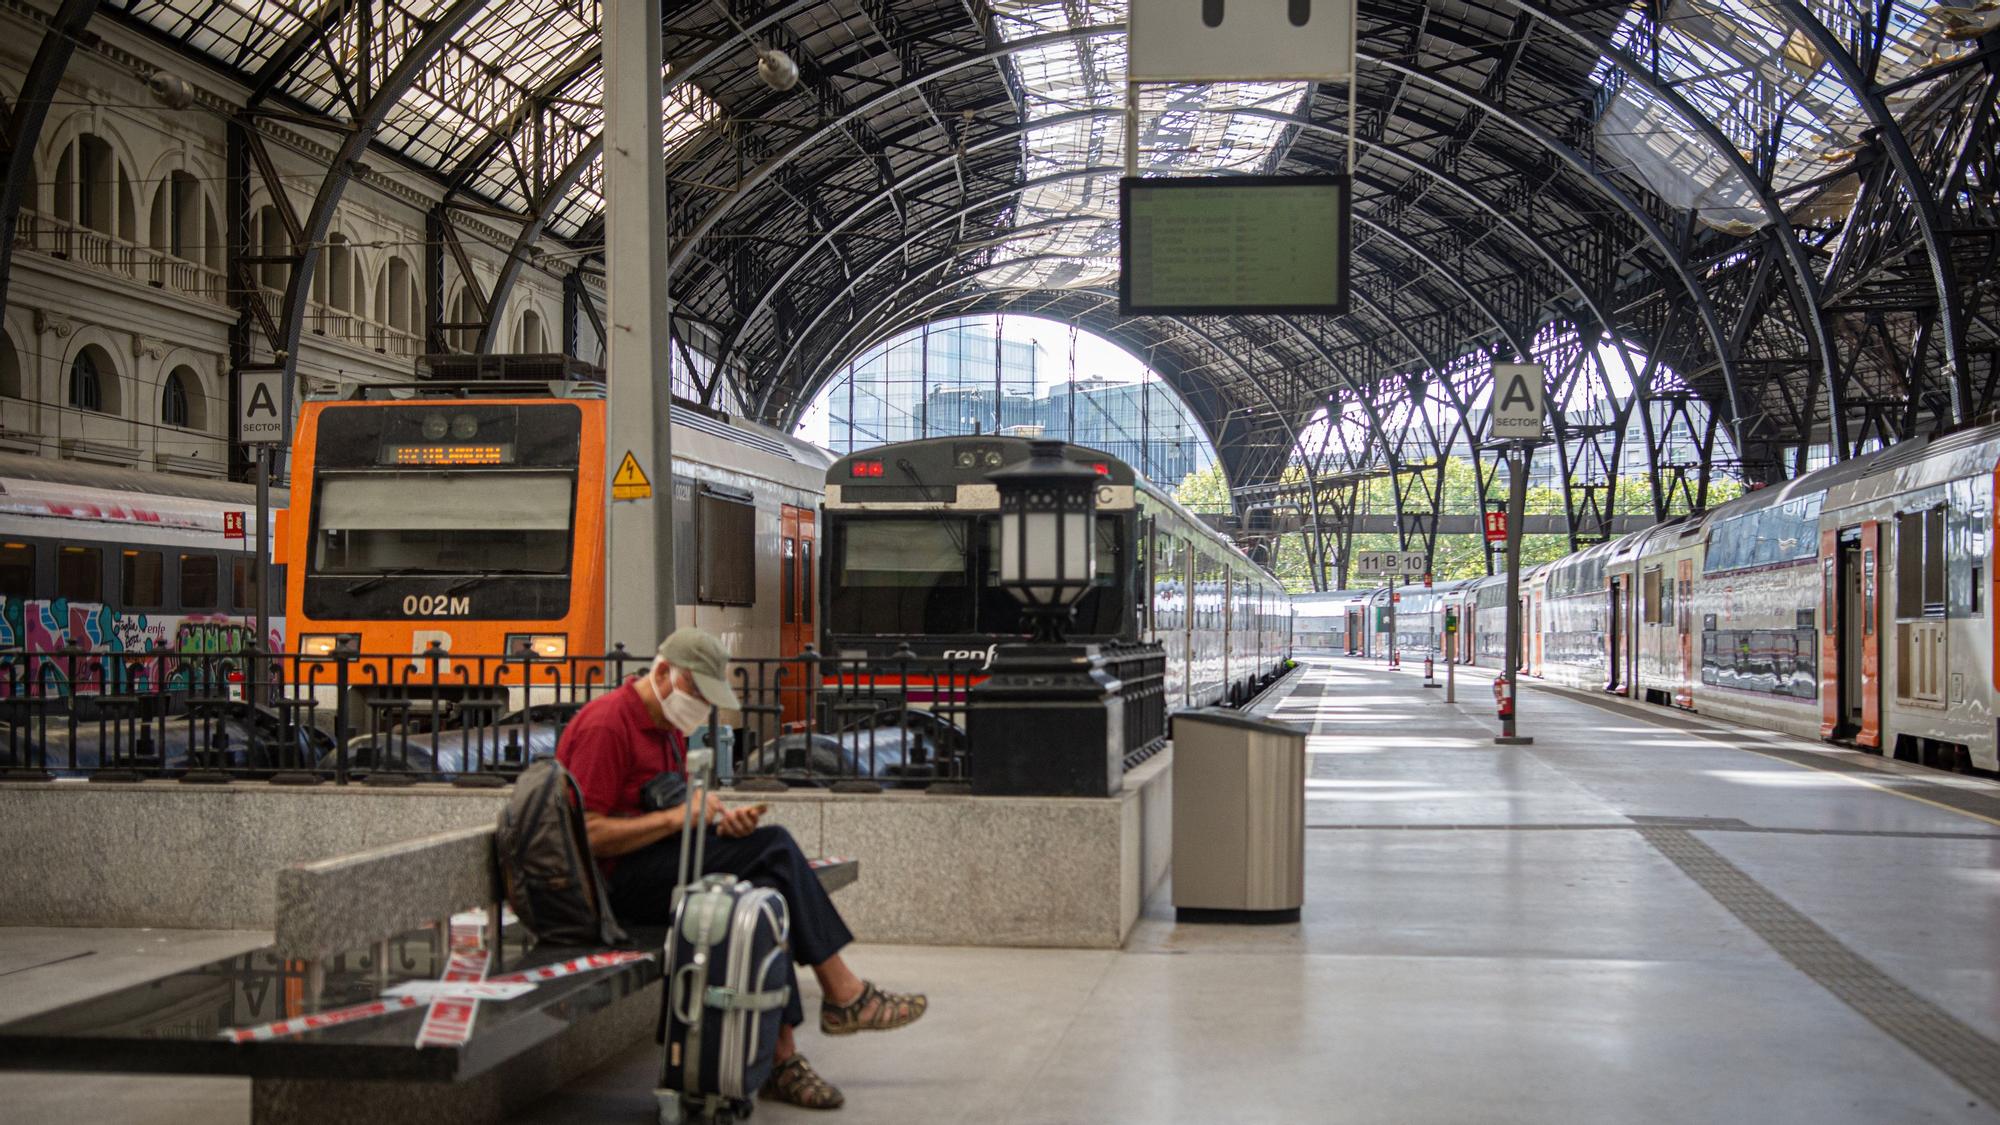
(984, 656)
(436, 605)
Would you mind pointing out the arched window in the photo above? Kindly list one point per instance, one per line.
(178, 214)
(10, 368)
(339, 272)
(180, 399)
(274, 248)
(399, 295)
(533, 339)
(92, 190)
(86, 384)
(466, 311)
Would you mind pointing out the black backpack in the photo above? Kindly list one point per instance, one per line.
(552, 883)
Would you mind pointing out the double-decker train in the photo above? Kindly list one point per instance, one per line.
(1852, 604)
(101, 565)
(912, 559)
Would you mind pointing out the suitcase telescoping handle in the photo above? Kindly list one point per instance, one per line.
(694, 823)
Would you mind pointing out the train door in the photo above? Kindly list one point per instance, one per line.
(798, 591)
(1850, 650)
(1541, 607)
(1354, 617)
(1684, 633)
(1653, 587)
(1614, 645)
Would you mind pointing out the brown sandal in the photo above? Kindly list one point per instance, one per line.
(891, 1010)
(795, 1081)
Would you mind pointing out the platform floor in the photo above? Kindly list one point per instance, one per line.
(1495, 934)
(1642, 917)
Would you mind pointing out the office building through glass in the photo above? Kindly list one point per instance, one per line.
(1015, 375)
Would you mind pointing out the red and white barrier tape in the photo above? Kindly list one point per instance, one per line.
(319, 1021)
(574, 966)
(448, 1022)
(405, 997)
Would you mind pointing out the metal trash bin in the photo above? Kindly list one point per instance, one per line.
(1239, 817)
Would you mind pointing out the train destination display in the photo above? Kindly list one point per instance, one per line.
(1234, 244)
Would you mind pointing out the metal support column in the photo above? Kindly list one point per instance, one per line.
(1517, 506)
(638, 386)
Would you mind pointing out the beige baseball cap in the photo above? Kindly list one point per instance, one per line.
(701, 656)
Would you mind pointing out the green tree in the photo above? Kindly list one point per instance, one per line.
(1205, 490)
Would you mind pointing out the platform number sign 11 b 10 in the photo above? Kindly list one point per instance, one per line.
(1391, 564)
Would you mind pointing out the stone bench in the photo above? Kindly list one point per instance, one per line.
(315, 1019)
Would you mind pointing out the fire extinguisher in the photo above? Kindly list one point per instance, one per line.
(1428, 666)
(1502, 698)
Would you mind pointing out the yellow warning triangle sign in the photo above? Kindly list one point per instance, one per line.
(629, 482)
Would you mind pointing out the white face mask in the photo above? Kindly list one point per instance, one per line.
(684, 711)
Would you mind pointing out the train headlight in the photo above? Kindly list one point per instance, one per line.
(324, 644)
(436, 425)
(464, 427)
(538, 646)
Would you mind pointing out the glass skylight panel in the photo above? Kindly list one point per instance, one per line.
(1745, 68)
(1183, 130)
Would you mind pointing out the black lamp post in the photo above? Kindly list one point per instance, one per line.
(1048, 537)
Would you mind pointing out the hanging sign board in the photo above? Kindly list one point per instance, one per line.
(1391, 564)
(1518, 406)
(1233, 245)
(1241, 40)
(260, 407)
(1496, 527)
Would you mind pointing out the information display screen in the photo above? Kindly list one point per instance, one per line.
(1233, 244)
(489, 453)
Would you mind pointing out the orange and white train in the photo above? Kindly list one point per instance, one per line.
(470, 516)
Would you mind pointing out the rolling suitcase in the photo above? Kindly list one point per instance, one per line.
(726, 983)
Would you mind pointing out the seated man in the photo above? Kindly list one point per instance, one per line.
(625, 738)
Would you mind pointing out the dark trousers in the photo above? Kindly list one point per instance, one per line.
(642, 890)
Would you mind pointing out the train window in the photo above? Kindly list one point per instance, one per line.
(1920, 563)
(727, 558)
(17, 570)
(1650, 597)
(788, 574)
(431, 522)
(141, 581)
(1934, 555)
(80, 574)
(198, 582)
(808, 591)
(242, 584)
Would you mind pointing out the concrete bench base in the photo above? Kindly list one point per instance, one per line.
(491, 1097)
(1010, 871)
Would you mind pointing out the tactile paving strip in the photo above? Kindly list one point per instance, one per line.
(1933, 1034)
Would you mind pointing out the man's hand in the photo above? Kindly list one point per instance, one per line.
(738, 822)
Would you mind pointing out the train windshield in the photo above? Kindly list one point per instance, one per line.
(901, 576)
(442, 523)
(909, 577)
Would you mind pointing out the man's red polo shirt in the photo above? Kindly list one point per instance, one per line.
(614, 749)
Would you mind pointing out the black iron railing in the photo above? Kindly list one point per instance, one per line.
(396, 719)
(852, 724)
(1142, 673)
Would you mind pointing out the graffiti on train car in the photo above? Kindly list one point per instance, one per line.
(46, 631)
